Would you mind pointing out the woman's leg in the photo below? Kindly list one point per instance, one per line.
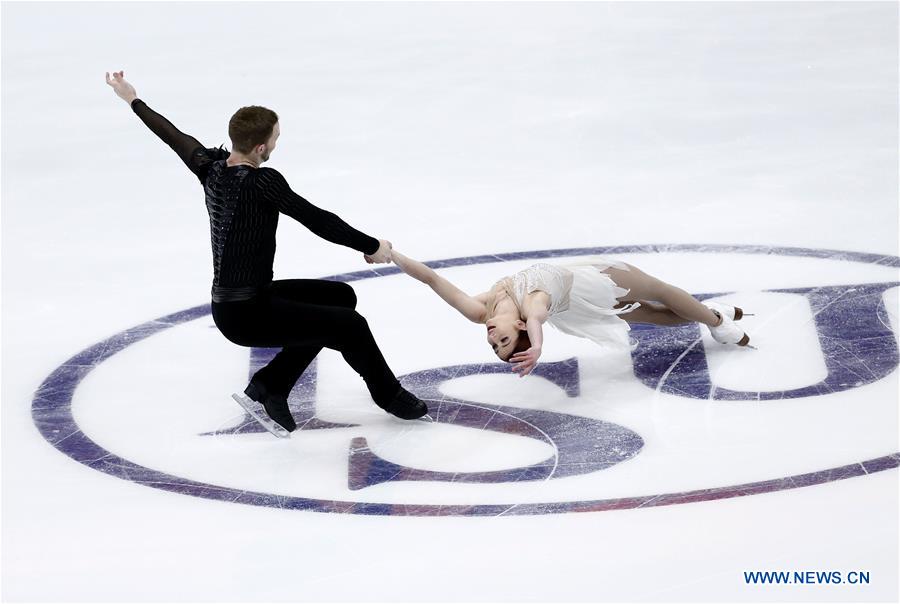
(645, 287)
(653, 313)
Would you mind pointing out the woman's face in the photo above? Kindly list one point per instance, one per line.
(503, 333)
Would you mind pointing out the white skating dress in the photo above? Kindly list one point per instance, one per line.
(581, 298)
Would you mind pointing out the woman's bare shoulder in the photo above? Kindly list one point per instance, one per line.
(483, 297)
(537, 300)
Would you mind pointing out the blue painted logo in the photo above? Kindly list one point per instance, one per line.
(857, 344)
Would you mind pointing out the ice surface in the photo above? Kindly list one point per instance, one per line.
(743, 151)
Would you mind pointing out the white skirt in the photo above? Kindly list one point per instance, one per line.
(591, 314)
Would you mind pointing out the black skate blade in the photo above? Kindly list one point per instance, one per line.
(265, 421)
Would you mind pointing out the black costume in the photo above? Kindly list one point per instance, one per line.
(248, 307)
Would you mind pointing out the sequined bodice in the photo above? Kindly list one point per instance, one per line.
(555, 281)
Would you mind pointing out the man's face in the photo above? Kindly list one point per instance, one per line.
(270, 144)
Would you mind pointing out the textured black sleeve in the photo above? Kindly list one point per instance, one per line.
(188, 148)
(323, 223)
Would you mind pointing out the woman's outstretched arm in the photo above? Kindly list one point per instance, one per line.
(470, 308)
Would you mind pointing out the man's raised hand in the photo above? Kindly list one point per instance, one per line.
(125, 90)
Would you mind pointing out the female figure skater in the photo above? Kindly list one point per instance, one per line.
(595, 298)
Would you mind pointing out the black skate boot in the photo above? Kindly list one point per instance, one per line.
(276, 406)
(405, 405)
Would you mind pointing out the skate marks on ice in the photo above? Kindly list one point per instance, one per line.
(854, 334)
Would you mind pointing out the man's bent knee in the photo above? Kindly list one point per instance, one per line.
(346, 295)
(355, 322)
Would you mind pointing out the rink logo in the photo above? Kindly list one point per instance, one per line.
(856, 341)
(573, 454)
(855, 338)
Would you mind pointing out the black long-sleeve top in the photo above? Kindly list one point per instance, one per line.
(243, 204)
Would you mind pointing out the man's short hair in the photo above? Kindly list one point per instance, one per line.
(251, 126)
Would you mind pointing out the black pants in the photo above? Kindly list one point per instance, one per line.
(303, 316)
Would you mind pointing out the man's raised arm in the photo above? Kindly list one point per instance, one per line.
(182, 144)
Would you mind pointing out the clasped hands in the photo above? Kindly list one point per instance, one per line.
(382, 255)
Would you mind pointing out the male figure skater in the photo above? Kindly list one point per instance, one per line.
(250, 309)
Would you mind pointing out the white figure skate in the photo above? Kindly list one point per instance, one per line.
(734, 313)
(727, 332)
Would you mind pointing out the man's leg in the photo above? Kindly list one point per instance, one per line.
(283, 371)
(275, 321)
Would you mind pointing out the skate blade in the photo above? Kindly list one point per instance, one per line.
(264, 420)
(426, 418)
(740, 314)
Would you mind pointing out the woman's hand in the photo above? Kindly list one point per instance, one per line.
(125, 90)
(382, 255)
(525, 362)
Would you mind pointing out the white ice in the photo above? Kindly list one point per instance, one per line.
(454, 130)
